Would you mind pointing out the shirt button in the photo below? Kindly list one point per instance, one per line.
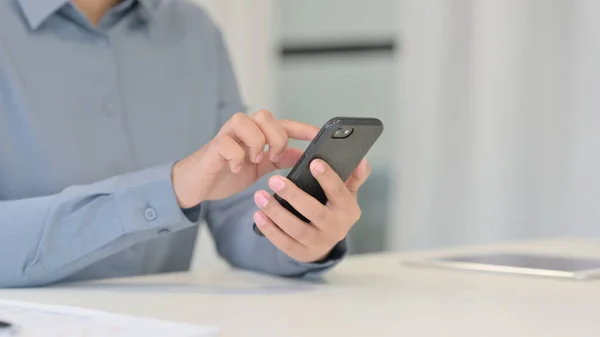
(150, 214)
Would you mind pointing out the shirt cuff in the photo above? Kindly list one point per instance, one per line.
(192, 213)
(317, 269)
(146, 201)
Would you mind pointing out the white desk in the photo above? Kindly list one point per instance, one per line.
(365, 296)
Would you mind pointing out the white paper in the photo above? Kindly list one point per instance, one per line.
(34, 320)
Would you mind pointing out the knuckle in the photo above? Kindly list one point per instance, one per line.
(338, 188)
(221, 141)
(263, 115)
(266, 113)
(237, 118)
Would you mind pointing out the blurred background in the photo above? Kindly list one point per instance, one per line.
(491, 108)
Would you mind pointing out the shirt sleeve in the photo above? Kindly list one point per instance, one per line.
(192, 213)
(230, 220)
(50, 238)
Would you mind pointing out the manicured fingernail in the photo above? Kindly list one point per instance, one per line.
(276, 183)
(260, 219)
(277, 158)
(261, 199)
(317, 167)
(259, 158)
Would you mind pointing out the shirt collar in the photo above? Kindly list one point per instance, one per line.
(38, 11)
(150, 5)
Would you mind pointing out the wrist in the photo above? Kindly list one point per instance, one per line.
(182, 186)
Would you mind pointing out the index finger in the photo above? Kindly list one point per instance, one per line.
(298, 130)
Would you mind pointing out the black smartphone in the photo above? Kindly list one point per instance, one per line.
(342, 143)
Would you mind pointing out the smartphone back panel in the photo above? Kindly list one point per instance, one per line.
(342, 154)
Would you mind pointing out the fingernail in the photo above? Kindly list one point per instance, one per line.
(317, 167)
(260, 219)
(261, 199)
(277, 184)
(277, 158)
(259, 158)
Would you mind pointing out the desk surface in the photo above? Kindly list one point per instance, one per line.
(370, 295)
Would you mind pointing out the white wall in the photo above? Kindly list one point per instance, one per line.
(249, 29)
(498, 121)
(311, 20)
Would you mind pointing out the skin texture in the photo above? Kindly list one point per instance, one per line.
(94, 10)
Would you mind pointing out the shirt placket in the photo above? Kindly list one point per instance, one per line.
(116, 135)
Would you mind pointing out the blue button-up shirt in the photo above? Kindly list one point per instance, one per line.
(91, 121)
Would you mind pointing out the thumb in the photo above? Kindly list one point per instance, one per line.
(287, 159)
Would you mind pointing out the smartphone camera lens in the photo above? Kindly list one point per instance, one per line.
(343, 132)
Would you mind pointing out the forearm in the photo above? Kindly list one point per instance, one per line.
(46, 239)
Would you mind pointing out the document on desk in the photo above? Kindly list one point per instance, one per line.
(34, 320)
